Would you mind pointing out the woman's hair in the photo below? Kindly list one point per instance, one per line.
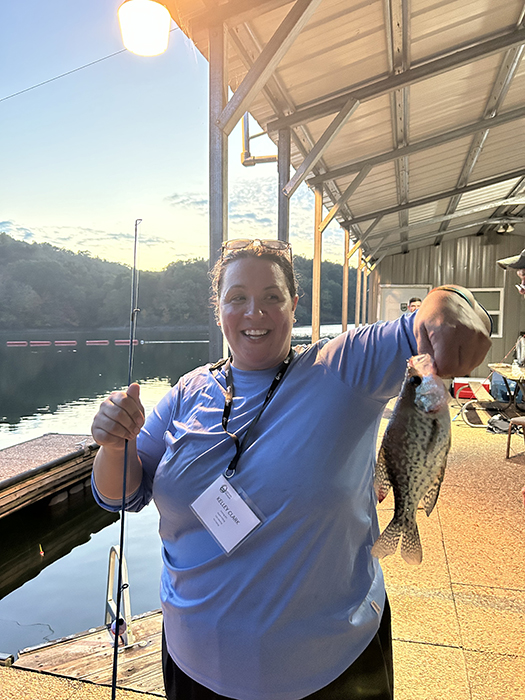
(219, 270)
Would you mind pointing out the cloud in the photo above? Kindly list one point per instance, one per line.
(252, 204)
(182, 233)
(252, 212)
(155, 251)
(18, 232)
(196, 201)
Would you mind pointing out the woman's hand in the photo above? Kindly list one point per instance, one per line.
(120, 418)
(454, 331)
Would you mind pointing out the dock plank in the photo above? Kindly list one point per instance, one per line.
(89, 656)
(39, 468)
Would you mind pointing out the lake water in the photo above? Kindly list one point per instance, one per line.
(58, 389)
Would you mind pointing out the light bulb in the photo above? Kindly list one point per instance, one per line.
(145, 26)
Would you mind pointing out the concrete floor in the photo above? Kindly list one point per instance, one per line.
(459, 617)
(19, 684)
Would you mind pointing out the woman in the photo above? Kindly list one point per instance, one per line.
(262, 471)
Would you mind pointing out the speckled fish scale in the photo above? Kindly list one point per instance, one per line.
(412, 457)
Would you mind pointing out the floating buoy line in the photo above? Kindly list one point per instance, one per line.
(66, 343)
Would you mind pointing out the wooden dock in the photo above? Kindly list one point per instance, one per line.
(89, 656)
(53, 533)
(50, 465)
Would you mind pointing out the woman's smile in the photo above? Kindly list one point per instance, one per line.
(255, 334)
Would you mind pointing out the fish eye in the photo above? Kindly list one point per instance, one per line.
(415, 380)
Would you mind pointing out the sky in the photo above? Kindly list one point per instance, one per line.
(126, 137)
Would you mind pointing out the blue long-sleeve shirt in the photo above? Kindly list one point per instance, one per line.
(298, 601)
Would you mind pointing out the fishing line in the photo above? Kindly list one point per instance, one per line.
(132, 327)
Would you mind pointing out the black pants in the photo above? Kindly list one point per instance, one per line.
(370, 677)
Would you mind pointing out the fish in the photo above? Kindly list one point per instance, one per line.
(413, 456)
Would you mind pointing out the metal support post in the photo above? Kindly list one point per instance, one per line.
(218, 166)
(364, 295)
(316, 273)
(357, 319)
(344, 305)
(283, 202)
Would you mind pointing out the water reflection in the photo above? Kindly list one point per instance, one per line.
(54, 531)
(41, 379)
(58, 389)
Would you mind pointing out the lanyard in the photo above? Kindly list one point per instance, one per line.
(241, 445)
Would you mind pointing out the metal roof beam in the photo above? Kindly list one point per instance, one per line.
(398, 23)
(419, 146)
(474, 224)
(376, 250)
(232, 13)
(360, 241)
(455, 215)
(456, 192)
(427, 70)
(280, 101)
(320, 147)
(518, 189)
(266, 62)
(352, 187)
(500, 88)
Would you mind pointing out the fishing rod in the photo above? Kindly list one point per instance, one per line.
(132, 328)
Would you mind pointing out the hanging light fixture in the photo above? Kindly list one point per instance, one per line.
(145, 26)
(505, 228)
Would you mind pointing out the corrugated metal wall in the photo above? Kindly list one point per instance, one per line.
(471, 262)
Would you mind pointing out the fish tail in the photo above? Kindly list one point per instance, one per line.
(411, 550)
(387, 542)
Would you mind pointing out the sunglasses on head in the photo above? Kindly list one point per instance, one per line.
(272, 246)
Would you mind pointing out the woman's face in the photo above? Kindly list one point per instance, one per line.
(256, 313)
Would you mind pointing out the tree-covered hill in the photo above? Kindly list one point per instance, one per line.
(42, 286)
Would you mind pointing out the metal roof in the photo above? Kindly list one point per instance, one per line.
(419, 103)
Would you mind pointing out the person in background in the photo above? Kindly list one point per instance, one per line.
(262, 469)
(516, 262)
(413, 304)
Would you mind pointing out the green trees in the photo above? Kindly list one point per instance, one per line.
(42, 286)
(331, 291)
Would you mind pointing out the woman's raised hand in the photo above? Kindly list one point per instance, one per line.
(454, 329)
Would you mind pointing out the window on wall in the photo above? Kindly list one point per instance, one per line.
(491, 298)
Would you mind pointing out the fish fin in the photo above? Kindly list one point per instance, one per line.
(382, 483)
(411, 550)
(430, 498)
(388, 540)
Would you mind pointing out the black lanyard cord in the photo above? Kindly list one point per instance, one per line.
(241, 445)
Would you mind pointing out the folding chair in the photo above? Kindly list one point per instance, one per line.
(519, 421)
(482, 400)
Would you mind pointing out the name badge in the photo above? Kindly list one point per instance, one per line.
(224, 514)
